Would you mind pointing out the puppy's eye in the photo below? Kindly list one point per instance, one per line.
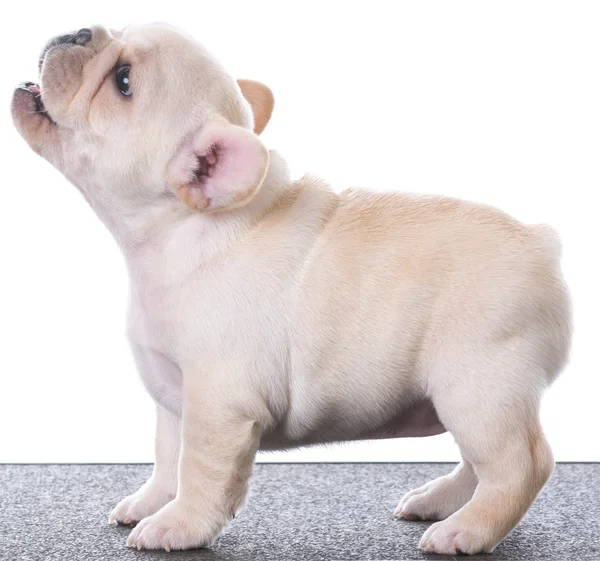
(123, 80)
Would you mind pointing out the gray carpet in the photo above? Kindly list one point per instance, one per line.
(296, 512)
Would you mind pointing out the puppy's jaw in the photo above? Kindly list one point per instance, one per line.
(31, 117)
(39, 109)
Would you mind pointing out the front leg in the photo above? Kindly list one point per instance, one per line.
(162, 485)
(219, 446)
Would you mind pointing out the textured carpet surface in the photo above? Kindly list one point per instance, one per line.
(296, 512)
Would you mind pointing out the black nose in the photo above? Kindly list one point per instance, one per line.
(82, 37)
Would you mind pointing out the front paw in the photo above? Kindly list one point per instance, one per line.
(176, 526)
(455, 536)
(143, 503)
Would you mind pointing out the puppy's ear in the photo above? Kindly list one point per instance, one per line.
(220, 167)
(261, 99)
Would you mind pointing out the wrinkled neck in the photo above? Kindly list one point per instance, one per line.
(168, 232)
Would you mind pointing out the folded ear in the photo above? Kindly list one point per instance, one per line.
(220, 167)
(261, 99)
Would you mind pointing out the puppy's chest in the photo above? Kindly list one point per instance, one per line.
(154, 320)
(153, 329)
(185, 322)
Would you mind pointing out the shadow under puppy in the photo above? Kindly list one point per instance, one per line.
(268, 313)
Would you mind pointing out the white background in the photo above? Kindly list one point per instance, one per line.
(497, 102)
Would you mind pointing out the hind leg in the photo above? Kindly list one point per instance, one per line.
(439, 498)
(510, 479)
(494, 419)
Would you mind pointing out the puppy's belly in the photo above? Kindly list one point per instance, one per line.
(419, 420)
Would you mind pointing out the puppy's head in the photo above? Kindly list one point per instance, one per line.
(143, 114)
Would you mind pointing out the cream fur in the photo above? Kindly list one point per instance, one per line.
(298, 315)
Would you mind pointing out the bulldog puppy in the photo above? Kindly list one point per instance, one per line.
(267, 313)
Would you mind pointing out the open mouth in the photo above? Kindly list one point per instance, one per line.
(35, 91)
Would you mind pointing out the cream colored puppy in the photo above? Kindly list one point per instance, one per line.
(267, 313)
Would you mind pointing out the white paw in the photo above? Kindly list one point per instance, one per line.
(437, 499)
(146, 501)
(419, 507)
(175, 527)
(405, 508)
(433, 502)
(454, 536)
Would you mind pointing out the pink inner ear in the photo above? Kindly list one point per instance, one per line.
(205, 170)
(234, 164)
(211, 159)
(221, 167)
(206, 165)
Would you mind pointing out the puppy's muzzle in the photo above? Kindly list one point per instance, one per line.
(81, 38)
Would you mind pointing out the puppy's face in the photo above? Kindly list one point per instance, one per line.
(144, 115)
